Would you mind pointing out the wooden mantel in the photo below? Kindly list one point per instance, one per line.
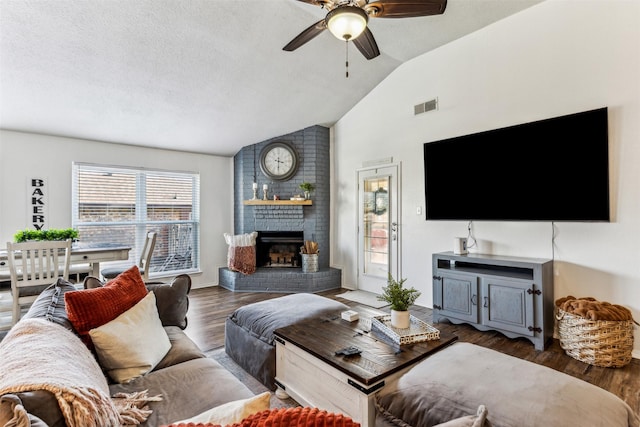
(278, 202)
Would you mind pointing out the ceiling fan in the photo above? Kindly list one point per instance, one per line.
(347, 20)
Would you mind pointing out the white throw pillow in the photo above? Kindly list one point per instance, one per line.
(133, 343)
(232, 412)
(247, 239)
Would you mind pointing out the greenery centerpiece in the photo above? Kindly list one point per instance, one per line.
(400, 299)
(50, 234)
(307, 187)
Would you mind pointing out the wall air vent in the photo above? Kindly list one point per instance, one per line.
(425, 107)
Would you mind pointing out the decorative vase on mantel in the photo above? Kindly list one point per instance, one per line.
(400, 299)
(307, 187)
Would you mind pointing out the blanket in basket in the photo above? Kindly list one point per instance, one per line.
(41, 355)
(592, 309)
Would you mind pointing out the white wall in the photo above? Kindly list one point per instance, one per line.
(25, 155)
(556, 58)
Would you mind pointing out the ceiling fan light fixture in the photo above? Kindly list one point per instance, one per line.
(347, 22)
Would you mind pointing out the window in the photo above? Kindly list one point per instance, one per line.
(120, 205)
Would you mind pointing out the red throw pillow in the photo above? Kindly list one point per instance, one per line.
(90, 308)
(299, 416)
(287, 417)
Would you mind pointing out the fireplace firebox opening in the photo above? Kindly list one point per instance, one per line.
(279, 249)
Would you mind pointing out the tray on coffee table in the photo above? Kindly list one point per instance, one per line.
(417, 331)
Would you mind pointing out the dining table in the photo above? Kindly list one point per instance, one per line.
(81, 253)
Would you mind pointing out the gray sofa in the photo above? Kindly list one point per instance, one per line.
(465, 379)
(188, 382)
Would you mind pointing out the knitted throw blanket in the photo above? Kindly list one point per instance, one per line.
(592, 309)
(40, 355)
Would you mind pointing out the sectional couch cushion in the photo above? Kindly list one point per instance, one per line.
(188, 388)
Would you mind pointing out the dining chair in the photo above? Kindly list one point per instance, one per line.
(33, 266)
(144, 263)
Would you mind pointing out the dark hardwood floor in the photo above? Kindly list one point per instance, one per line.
(210, 307)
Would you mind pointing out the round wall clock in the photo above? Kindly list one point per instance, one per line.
(279, 161)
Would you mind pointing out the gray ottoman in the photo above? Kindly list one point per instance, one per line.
(454, 382)
(249, 339)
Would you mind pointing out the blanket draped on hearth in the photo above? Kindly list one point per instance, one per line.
(40, 355)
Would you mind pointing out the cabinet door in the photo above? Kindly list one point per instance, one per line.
(508, 305)
(459, 296)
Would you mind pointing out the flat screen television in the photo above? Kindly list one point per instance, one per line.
(549, 170)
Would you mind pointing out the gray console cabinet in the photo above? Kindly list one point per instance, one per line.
(510, 295)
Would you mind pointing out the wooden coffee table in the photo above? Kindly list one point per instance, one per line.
(308, 370)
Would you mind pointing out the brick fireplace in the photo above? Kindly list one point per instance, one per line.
(284, 221)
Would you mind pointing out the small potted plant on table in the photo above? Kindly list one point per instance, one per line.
(401, 299)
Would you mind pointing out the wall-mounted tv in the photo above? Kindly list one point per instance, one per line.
(549, 170)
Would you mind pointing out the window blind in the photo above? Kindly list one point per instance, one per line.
(115, 205)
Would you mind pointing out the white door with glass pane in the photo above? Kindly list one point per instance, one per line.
(378, 229)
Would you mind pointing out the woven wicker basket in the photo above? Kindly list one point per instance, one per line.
(602, 343)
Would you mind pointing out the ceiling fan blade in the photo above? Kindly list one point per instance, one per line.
(405, 8)
(326, 4)
(366, 44)
(306, 36)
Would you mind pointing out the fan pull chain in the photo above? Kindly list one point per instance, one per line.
(346, 45)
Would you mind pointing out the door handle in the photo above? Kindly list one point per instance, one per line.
(486, 302)
(394, 226)
(474, 299)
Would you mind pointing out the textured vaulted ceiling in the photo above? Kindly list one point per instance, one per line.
(206, 76)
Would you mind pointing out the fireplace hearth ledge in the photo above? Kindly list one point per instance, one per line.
(281, 280)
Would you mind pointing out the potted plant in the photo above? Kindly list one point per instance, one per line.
(50, 234)
(307, 187)
(401, 299)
